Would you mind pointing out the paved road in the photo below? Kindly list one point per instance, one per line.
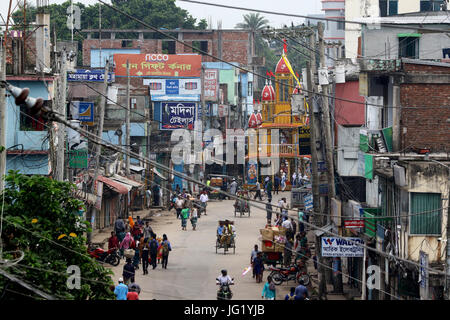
(193, 262)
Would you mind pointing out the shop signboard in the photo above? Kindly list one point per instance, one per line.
(177, 115)
(171, 87)
(252, 172)
(158, 65)
(211, 84)
(93, 75)
(353, 224)
(304, 137)
(342, 247)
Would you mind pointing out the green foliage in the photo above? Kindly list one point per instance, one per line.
(37, 207)
(157, 13)
(253, 21)
(2, 148)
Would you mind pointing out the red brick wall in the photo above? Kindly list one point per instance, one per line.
(426, 127)
(234, 45)
(423, 69)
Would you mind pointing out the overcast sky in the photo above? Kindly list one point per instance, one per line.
(229, 17)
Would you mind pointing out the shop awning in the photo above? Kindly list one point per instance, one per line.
(159, 173)
(118, 187)
(132, 183)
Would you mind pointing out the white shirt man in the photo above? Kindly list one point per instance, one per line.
(224, 279)
(204, 198)
(287, 224)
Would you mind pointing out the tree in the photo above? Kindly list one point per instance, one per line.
(157, 13)
(36, 210)
(253, 21)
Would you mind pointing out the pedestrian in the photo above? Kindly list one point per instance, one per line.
(155, 195)
(233, 187)
(276, 183)
(269, 211)
(252, 258)
(153, 250)
(291, 294)
(136, 231)
(269, 290)
(148, 231)
(144, 250)
(258, 267)
(179, 203)
(301, 216)
(184, 217)
(294, 226)
(280, 206)
(283, 181)
(127, 243)
(121, 290)
(288, 253)
(301, 292)
(148, 196)
(269, 188)
(165, 252)
(194, 217)
(284, 210)
(258, 191)
(113, 241)
(159, 255)
(204, 200)
(119, 229)
(128, 272)
(294, 179)
(132, 293)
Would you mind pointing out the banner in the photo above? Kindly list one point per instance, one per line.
(166, 65)
(162, 87)
(252, 172)
(176, 115)
(342, 247)
(211, 84)
(93, 75)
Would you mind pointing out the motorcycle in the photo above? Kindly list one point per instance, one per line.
(111, 256)
(295, 272)
(224, 293)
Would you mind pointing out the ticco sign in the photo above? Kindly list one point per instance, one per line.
(156, 57)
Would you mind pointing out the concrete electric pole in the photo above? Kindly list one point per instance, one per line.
(2, 116)
(62, 109)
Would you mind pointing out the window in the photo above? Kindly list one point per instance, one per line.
(431, 5)
(191, 86)
(388, 8)
(204, 46)
(155, 85)
(250, 89)
(168, 47)
(408, 47)
(133, 103)
(428, 223)
(341, 25)
(127, 43)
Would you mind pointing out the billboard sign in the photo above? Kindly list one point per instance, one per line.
(93, 75)
(352, 224)
(342, 247)
(162, 65)
(162, 87)
(176, 115)
(211, 84)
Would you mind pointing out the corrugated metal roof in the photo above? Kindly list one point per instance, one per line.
(126, 181)
(115, 185)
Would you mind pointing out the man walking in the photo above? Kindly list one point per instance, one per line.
(153, 250)
(301, 292)
(233, 187)
(204, 200)
(258, 191)
(144, 249)
(166, 248)
(121, 290)
(252, 258)
(269, 211)
(276, 183)
(128, 272)
(269, 189)
(179, 206)
(119, 229)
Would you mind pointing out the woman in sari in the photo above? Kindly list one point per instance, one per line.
(159, 255)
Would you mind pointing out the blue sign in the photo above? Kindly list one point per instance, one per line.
(94, 75)
(308, 200)
(177, 115)
(200, 110)
(172, 87)
(86, 111)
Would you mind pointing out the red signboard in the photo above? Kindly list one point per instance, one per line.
(162, 65)
(211, 84)
(353, 224)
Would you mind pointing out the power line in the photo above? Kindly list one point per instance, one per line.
(309, 17)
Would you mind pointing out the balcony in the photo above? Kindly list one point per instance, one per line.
(284, 150)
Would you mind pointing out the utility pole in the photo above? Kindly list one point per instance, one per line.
(328, 147)
(127, 126)
(315, 134)
(62, 109)
(2, 115)
(98, 149)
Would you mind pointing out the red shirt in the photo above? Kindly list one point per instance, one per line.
(132, 295)
(113, 242)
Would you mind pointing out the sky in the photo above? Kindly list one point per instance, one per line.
(229, 17)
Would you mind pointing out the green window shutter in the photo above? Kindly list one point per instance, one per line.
(368, 172)
(428, 223)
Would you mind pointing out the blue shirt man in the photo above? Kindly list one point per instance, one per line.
(220, 230)
(121, 290)
(301, 292)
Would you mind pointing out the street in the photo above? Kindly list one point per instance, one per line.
(193, 263)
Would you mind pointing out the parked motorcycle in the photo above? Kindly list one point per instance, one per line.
(294, 272)
(111, 256)
(224, 293)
